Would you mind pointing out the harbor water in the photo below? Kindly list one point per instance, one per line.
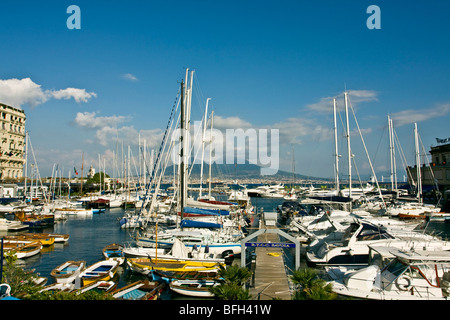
(88, 237)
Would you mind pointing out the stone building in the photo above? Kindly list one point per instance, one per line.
(12, 142)
(438, 173)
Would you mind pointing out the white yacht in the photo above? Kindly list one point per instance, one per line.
(353, 247)
(410, 275)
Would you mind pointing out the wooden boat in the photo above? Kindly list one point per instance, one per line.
(68, 287)
(193, 288)
(35, 221)
(22, 249)
(106, 286)
(59, 238)
(42, 238)
(168, 276)
(145, 266)
(114, 252)
(140, 290)
(68, 271)
(102, 270)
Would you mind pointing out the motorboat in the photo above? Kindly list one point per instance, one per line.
(410, 275)
(353, 247)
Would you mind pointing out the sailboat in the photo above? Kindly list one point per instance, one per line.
(415, 209)
(214, 235)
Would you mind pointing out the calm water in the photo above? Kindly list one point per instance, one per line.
(88, 236)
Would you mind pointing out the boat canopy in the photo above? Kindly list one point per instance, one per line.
(200, 224)
(212, 212)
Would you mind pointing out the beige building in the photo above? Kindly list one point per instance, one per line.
(439, 171)
(12, 142)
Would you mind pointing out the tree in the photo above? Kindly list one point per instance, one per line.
(96, 178)
(232, 280)
(310, 286)
(21, 281)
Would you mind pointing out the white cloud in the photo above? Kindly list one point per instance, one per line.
(108, 130)
(325, 105)
(416, 115)
(230, 123)
(79, 95)
(129, 77)
(90, 120)
(17, 92)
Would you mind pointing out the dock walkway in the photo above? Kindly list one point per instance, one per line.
(270, 278)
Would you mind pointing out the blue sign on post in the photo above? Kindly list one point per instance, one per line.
(269, 245)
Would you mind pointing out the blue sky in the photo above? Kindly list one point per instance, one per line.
(265, 64)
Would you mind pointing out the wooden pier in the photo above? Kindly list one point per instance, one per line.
(270, 279)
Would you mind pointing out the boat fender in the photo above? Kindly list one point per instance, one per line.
(403, 283)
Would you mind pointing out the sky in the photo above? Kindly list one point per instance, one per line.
(272, 65)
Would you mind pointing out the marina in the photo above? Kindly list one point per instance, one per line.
(271, 258)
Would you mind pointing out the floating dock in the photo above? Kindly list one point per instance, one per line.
(270, 277)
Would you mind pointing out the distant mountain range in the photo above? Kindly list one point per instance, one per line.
(240, 171)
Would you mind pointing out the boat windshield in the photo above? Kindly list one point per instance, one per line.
(396, 267)
(371, 232)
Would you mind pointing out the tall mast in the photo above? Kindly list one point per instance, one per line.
(203, 146)
(81, 180)
(210, 154)
(390, 152)
(336, 154)
(182, 145)
(419, 176)
(348, 148)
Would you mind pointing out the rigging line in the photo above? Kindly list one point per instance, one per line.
(367, 154)
(435, 182)
(403, 158)
(163, 143)
(379, 142)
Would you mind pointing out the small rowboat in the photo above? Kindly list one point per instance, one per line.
(102, 270)
(44, 239)
(193, 288)
(140, 290)
(68, 271)
(59, 237)
(98, 286)
(22, 249)
(114, 252)
(168, 276)
(145, 266)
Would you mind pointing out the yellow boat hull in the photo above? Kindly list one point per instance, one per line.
(173, 265)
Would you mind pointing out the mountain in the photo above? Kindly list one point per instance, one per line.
(239, 171)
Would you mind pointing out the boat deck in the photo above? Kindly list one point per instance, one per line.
(271, 280)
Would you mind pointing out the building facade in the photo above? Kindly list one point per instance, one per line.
(12, 142)
(438, 173)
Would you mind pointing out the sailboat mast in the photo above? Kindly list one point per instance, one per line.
(336, 153)
(203, 146)
(210, 154)
(348, 148)
(391, 152)
(419, 176)
(182, 145)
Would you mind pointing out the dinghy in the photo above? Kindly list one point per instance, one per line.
(194, 288)
(68, 271)
(140, 290)
(102, 270)
(115, 252)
